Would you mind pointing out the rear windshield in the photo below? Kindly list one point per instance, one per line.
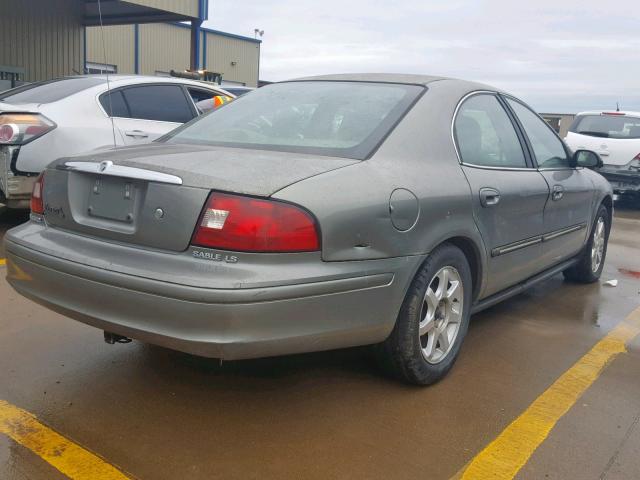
(49, 90)
(607, 126)
(345, 119)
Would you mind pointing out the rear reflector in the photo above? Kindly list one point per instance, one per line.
(37, 202)
(234, 222)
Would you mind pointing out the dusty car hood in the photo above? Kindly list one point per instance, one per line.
(255, 172)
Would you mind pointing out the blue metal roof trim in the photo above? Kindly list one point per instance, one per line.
(204, 15)
(218, 32)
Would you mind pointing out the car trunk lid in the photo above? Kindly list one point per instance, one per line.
(152, 195)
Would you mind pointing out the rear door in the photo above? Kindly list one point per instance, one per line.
(145, 112)
(567, 213)
(508, 193)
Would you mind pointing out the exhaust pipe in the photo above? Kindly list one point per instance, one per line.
(113, 338)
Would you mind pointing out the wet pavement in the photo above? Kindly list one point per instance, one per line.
(159, 414)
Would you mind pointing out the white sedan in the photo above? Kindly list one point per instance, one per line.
(615, 136)
(43, 121)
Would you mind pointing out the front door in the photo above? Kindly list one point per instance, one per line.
(567, 218)
(508, 194)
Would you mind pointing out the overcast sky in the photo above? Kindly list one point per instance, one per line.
(558, 55)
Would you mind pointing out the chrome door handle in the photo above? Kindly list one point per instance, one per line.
(603, 154)
(136, 134)
(489, 197)
(558, 192)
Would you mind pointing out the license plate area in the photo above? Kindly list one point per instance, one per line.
(112, 198)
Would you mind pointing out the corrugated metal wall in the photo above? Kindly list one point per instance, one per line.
(222, 51)
(164, 47)
(118, 42)
(184, 7)
(44, 38)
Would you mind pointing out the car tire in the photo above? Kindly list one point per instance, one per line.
(589, 266)
(415, 352)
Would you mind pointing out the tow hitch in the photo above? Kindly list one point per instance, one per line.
(112, 338)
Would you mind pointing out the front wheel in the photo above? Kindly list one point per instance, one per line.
(591, 261)
(433, 319)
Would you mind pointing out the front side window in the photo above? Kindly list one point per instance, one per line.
(347, 119)
(485, 135)
(607, 125)
(547, 147)
(163, 103)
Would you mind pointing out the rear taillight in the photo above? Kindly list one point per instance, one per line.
(21, 128)
(234, 222)
(37, 202)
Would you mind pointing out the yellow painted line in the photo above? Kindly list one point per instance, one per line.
(68, 457)
(511, 450)
(3, 261)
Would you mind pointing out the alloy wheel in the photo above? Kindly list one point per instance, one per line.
(441, 314)
(597, 246)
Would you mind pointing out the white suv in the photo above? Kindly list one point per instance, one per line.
(41, 122)
(615, 136)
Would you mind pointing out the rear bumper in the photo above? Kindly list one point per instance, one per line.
(229, 323)
(622, 181)
(15, 190)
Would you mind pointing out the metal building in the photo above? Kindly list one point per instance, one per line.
(560, 122)
(43, 39)
(156, 49)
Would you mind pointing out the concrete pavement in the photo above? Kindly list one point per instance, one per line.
(159, 414)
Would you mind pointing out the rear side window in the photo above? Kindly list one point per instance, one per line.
(607, 126)
(114, 104)
(49, 91)
(547, 147)
(163, 103)
(485, 135)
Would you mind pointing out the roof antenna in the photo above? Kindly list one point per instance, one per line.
(104, 59)
(617, 106)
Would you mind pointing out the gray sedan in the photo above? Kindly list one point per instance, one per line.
(316, 214)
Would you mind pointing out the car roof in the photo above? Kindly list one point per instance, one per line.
(610, 112)
(147, 78)
(401, 78)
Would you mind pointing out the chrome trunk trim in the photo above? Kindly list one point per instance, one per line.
(108, 168)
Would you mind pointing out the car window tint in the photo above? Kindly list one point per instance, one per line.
(114, 104)
(165, 103)
(485, 134)
(607, 125)
(547, 147)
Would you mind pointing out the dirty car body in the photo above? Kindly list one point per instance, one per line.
(383, 169)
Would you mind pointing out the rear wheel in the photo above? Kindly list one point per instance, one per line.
(591, 261)
(433, 320)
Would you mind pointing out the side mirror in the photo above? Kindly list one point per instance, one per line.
(586, 159)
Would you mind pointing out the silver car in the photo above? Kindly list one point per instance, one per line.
(316, 214)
